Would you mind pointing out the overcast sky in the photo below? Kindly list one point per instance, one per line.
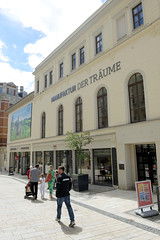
(30, 30)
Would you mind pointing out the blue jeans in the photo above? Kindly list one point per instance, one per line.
(68, 205)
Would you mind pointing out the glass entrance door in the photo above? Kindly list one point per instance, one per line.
(102, 166)
(147, 162)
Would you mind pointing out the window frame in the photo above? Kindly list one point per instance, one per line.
(82, 55)
(136, 84)
(137, 15)
(61, 70)
(78, 115)
(37, 86)
(73, 61)
(99, 43)
(50, 77)
(104, 116)
(43, 133)
(45, 81)
(60, 120)
(11, 91)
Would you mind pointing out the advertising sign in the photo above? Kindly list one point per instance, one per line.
(21, 123)
(144, 194)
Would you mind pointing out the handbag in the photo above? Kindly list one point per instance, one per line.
(48, 178)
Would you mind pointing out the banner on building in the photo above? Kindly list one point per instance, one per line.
(21, 123)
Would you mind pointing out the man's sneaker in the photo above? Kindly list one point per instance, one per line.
(57, 219)
(72, 224)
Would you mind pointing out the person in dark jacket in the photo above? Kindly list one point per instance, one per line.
(63, 186)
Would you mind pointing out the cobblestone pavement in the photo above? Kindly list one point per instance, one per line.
(101, 213)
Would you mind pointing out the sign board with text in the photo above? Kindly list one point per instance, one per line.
(144, 194)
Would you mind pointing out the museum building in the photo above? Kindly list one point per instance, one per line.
(105, 79)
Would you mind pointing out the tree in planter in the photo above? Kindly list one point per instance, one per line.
(76, 142)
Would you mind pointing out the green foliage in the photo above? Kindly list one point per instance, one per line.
(76, 142)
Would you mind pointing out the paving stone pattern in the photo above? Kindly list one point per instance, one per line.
(101, 213)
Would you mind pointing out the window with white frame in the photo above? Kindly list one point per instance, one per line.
(61, 69)
(73, 61)
(43, 131)
(82, 55)
(10, 91)
(38, 86)
(99, 43)
(45, 81)
(137, 13)
(50, 77)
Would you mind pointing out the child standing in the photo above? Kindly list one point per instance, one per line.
(42, 185)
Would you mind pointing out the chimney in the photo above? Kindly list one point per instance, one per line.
(21, 88)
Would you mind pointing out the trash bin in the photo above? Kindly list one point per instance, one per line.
(11, 171)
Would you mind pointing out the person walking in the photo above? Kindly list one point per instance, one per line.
(52, 182)
(34, 178)
(42, 185)
(63, 187)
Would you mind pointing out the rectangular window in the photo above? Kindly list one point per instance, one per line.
(74, 61)
(50, 78)
(45, 81)
(99, 44)
(121, 27)
(1, 89)
(10, 91)
(82, 56)
(38, 86)
(137, 15)
(61, 70)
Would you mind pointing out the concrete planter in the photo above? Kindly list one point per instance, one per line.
(80, 182)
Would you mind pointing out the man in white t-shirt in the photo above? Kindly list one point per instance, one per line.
(34, 178)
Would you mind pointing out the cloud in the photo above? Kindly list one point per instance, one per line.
(2, 57)
(34, 60)
(18, 77)
(55, 19)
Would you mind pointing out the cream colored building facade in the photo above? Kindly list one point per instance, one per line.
(116, 51)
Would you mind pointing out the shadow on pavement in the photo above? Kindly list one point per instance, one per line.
(37, 201)
(70, 230)
(34, 201)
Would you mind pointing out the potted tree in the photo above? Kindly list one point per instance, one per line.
(77, 142)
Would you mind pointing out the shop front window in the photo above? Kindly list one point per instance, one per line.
(84, 166)
(64, 158)
(102, 166)
(25, 162)
(147, 163)
(48, 160)
(39, 159)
